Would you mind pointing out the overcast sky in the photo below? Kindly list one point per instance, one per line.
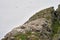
(16, 12)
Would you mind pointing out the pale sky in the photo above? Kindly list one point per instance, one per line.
(16, 12)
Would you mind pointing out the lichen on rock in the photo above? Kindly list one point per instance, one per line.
(44, 25)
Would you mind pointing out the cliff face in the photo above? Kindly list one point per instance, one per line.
(44, 25)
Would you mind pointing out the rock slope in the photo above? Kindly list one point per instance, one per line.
(44, 25)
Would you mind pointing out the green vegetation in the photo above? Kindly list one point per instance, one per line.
(25, 36)
(20, 37)
(58, 30)
(55, 27)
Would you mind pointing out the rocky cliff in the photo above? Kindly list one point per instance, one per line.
(44, 25)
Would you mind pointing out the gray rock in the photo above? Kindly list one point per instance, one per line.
(38, 27)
